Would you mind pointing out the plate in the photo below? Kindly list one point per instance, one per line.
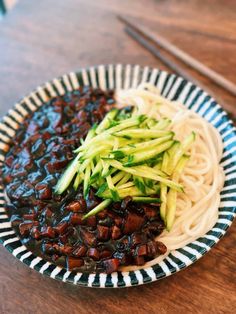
(124, 76)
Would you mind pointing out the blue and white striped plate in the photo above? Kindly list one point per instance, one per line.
(125, 76)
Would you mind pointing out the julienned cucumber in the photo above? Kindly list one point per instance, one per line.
(131, 149)
(106, 135)
(129, 155)
(171, 197)
(163, 196)
(146, 155)
(177, 151)
(105, 192)
(149, 175)
(98, 208)
(107, 121)
(141, 133)
(65, 180)
(146, 199)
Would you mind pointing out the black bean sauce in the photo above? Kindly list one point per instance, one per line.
(51, 225)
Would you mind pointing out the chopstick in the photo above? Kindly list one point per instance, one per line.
(171, 64)
(180, 54)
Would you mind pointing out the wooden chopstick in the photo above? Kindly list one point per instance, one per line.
(171, 64)
(180, 54)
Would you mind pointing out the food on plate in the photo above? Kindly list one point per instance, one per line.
(103, 180)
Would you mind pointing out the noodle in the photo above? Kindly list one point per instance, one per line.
(202, 178)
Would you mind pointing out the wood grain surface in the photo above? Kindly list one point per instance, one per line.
(43, 39)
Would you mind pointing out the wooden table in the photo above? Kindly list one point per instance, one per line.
(39, 41)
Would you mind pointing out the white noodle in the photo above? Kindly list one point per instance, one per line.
(202, 178)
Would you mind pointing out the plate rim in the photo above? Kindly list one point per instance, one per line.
(119, 279)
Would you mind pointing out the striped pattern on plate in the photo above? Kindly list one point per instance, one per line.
(125, 76)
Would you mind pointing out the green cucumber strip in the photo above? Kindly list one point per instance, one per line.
(78, 180)
(151, 191)
(124, 142)
(154, 170)
(149, 183)
(163, 195)
(67, 176)
(119, 141)
(172, 157)
(174, 148)
(148, 154)
(116, 143)
(172, 195)
(133, 121)
(180, 167)
(98, 139)
(179, 151)
(105, 123)
(91, 153)
(131, 191)
(106, 135)
(113, 191)
(105, 170)
(98, 178)
(116, 178)
(117, 154)
(130, 158)
(86, 181)
(92, 166)
(115, 195)
(156, 188)
(123, 115)
(162, 124)
(126, 185)
(110, 172)
(100, 181)
(98, 208)
(139, 183)
(151, 122)
(97, 169)
(113, 123)
(158, 166)
(102, 189)
(104, 158)
(94, 185)
(145, 145)
(171, 208)
(141, 133)
(91, 133)
(165, 162)
(94, 178)
(146, 199)
(188, 141)
(84, 165)
(149, 175)
(108, 139)
(125, 179)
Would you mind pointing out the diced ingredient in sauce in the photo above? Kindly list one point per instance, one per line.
(52, 225)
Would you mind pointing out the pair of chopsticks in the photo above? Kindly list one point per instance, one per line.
(150, 40)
